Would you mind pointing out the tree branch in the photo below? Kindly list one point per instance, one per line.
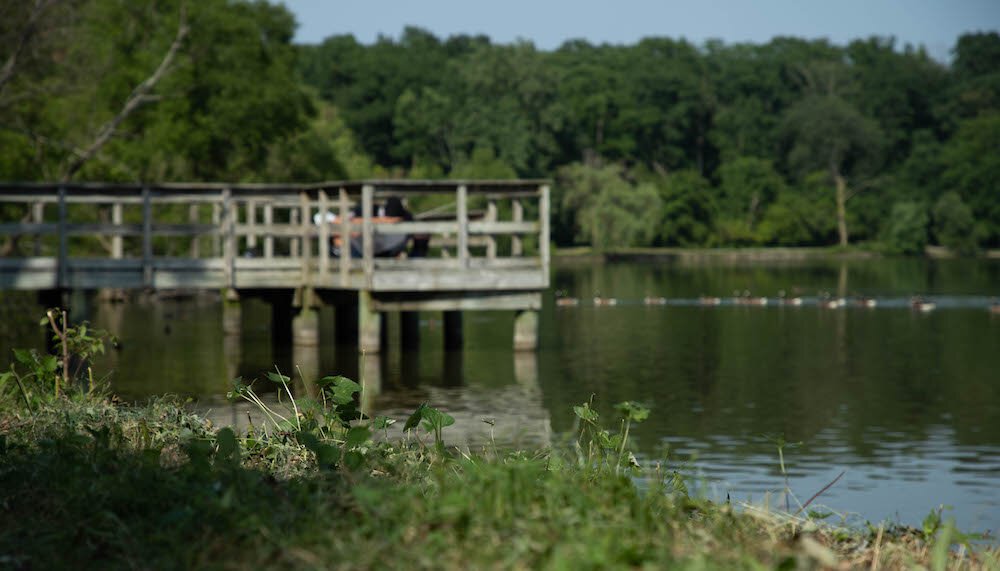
(7, 72)
(139, 96)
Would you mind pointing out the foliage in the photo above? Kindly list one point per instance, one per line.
(907, 229)
(113, 485)
(954, 225)
(688, 210)
(609, 211)
(973, 171)
(35, 378)
(755, 122)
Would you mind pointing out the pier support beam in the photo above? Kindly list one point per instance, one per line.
(453, 330)
(370, 379)
(526, 331)
(305, 363)
(305, 327)
(232, 314)
(369, 324)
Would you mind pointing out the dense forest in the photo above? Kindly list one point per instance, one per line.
(660, 143)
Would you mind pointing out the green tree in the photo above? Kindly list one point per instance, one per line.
(954, 226)
(906, 232)
(827, 132)
(483, 165)
(973, 170)
(688, 212)
(609, 211)
(748, 186)
(802, 216)
(975, 76)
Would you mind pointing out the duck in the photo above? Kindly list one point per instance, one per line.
(920, 304)
(827, 302)
(649, 300)
(604, 301)
(567, 302)
(709, 300)
(750, 300)
(796, 301)
(994, 306)
(867, 302)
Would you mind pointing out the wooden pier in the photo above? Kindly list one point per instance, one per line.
(489, 245)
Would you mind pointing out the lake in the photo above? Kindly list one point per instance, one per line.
(905, 402)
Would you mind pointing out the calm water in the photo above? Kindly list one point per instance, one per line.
(906, 402)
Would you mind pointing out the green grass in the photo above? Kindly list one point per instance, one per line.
(90, 484)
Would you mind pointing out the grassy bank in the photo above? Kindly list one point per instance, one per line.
(90, 484)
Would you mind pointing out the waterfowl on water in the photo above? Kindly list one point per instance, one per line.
(567, 301)
(747, 299)
(604, 301)
(995, 307)
(867, 302)
(788, 300)
(709, 300)
(920, 304)
(827, 302)
(649, 300)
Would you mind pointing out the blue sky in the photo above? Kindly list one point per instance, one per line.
(932, 23)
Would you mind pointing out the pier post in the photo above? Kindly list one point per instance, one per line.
(370, 379)
(232, 314)
(369, 324)
(305, 321)
(526, 330)
(453, 330)
(305, 363)
(232, 355)
(305, 327)
(526, 369)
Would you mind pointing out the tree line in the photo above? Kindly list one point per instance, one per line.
(658, 143)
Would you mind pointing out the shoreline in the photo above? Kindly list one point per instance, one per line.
(579, 254)
(324, 497)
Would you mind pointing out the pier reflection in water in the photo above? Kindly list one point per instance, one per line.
(906, 401)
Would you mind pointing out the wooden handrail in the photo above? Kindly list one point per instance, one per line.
(275, 223)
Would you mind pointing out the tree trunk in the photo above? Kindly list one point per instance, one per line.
(841, 184)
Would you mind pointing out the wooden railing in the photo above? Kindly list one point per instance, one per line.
(261, 236)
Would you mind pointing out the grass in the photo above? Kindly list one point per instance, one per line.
(86, 482)
(91, 484)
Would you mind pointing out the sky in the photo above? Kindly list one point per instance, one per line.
(935, 24)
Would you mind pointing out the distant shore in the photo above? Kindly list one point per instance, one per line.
(736, 255)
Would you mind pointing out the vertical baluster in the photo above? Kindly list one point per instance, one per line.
(345, 238)
(147, 238)
(491, 241)
(323, 243)
(38, 217)
(293, 248)
(463, 226)
(516, 246)
(229, 238)
(251, 209)
(305, 230)
(268, 231)
(368, 233)
(543, 233)
(217, 236)
(61, 269)
(195, 238)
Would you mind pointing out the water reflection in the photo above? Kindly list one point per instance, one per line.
(906, 402)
